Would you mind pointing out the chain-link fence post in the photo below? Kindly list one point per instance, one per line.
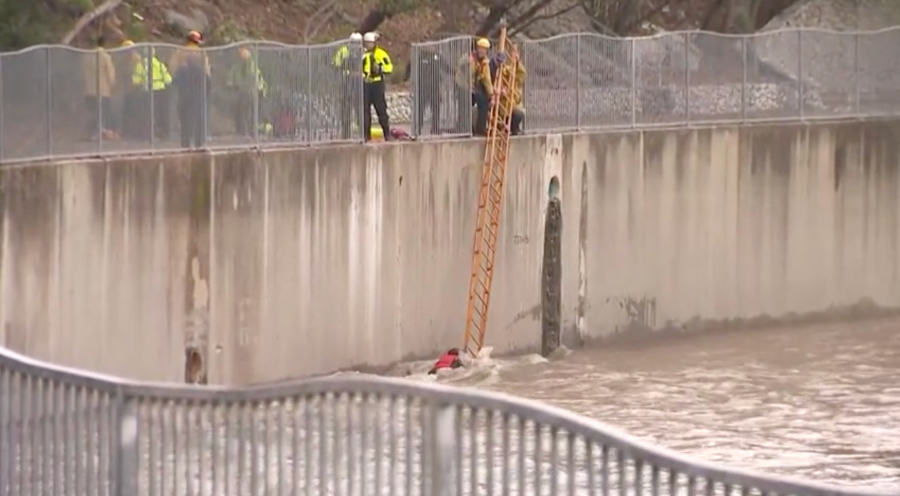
(99, 101)
(744, 93)
(633, 83)
(49, 117)
(309, 96)
(150, 71)
(578, 101)
(126, 466)
(858, 75)
(2, 130)
(687, 77)
(257, 90)
(800, 92)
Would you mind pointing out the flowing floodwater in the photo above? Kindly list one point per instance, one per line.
(818, 401)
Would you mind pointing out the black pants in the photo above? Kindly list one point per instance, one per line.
(242, 113)
(193, 124)
(161, 113)
(136, 115)
(516, 121)
(428, 98)
(351, 92)
(374, 97)
(99, 111)
(465, 101)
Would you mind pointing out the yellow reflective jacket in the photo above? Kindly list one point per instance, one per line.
(159, 71)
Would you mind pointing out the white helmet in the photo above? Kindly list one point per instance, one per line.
(356, 37)
(370, 37)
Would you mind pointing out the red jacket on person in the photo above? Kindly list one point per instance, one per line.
(449, 360)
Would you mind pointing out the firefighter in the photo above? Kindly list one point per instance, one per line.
(190, 66)
(376, 65)
(474, 87)
(430, 69)
(347, 64)
(153, 77)
(511, 98)
(99, 80)
(246, 81)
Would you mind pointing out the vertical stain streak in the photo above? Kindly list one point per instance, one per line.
(580, 318)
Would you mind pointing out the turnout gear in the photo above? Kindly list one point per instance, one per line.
(376, 64)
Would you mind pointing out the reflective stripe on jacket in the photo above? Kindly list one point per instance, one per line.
(381, 58)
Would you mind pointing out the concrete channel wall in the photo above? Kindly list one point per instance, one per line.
(287, 263)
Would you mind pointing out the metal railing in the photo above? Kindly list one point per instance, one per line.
(60, 102)
(66, 432)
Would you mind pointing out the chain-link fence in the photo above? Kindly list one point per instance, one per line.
(69, 433)
(142, 99)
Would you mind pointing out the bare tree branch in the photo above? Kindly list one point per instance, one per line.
(87, 19)
(318, 18)
(528, 18)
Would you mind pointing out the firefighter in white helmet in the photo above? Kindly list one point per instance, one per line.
(376, 65)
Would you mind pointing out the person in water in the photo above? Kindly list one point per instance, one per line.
(449, 360)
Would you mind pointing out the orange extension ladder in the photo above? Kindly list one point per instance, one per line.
(490, 207)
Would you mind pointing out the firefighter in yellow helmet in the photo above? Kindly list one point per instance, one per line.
(474, 87)
(191, 70)
(146, 93)
(376, 65)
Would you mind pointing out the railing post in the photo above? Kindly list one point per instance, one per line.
(857, 75)
(800, 92)
(254, 64)
(687, 78)
(2, 141)
(151, 77)
(577, 82)
(744, 93)
(127, 465)
(309, 95)
(414, 89)
(99, 105)
(440, 436)
(633, 83)
(49, 104)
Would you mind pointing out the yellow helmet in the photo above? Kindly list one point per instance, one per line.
(127, 43)
(483, 43)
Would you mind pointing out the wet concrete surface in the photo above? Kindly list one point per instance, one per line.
(820, 402)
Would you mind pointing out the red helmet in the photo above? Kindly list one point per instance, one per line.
(195, 36)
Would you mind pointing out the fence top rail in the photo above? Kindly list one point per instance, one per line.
(463, 37)
(543, 415)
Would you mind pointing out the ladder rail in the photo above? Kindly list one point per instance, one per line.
(491, 197)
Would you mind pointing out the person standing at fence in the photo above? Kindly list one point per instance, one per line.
(376, 65)
(152, 76)
(430, 70)
(192, 79)
(347, 63)
(246, 81)
(99, 79)
(474, 87)
(511, 98)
